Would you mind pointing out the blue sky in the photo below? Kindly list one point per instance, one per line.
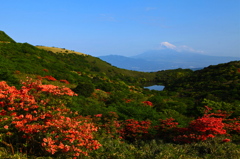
(126, 27)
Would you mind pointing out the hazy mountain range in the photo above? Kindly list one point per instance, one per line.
(167, 57)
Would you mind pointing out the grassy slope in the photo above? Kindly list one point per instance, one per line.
(32, 60)
(59, 50)
(105, 67)
(110, 70)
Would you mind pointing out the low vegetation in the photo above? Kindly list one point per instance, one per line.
(62, 105)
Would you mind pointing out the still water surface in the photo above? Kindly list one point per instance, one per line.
(155, 87)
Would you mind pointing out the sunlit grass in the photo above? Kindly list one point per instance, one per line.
(59, 50)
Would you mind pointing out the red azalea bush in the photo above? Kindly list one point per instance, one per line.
(35, 120)
(201, 129)
(208, 126)
(133, 129)
(50, 78)
(232, 125)
(148, 103)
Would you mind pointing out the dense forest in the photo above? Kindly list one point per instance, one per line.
(66, 105)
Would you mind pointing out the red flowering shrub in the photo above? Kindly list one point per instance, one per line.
(133, 129)
(167, 124)
(226, 140)
(232, 125)
(201, 129)
(147, 103)
(208, 126)
(35, 120)
(70, 135)
(50, 78)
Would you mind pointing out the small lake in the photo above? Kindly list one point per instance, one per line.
(155, 87)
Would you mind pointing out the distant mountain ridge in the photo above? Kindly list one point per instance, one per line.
(164, 59)
(130, 63)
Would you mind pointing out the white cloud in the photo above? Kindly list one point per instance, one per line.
(189, 49)
(167, 45)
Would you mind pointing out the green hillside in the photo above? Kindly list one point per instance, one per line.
(219, 82)
(65, 103)
(29, 59)
(4, 38)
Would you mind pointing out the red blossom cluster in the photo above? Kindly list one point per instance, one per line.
(128, 100)
(226, 140)
(66, 131)
(208, 126)
(64, 81)
(166, 124)
(39, 120)
(55, 90)
(148, 103)
(50, 78)
(232, 125)
(133, 129)
(201, 129)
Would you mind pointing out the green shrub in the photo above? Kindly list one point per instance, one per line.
(6, 75)
(84, 89)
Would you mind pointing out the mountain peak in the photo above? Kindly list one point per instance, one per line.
(168, 45)
(181, 48)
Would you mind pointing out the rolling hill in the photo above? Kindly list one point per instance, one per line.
(61, 63)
